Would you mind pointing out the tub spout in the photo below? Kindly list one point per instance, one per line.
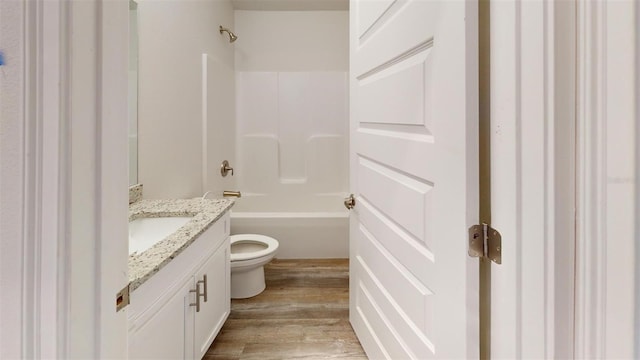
(228, 193)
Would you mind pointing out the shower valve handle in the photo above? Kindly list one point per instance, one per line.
(225, 168)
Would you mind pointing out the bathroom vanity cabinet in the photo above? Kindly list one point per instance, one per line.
(178, 312)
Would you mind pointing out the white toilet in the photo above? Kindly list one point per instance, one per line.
(249, 254)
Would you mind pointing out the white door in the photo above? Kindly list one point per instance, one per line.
(414, 172)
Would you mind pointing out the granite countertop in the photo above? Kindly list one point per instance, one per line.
(205, 212)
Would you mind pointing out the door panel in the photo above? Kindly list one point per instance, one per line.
(369, 12)
(380, 327)
(414, 170)
(411, 297)
(416, 160)
(404, 29)
(402, 246)
(410, 201)
(409, 110)
(416, 339)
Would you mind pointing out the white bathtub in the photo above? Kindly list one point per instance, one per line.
(306, 227)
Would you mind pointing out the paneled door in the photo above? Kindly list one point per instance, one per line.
(414, 174)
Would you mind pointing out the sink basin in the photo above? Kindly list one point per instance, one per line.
(145, 232)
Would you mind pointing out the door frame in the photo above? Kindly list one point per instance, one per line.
(64, 185)
(532, 169)
(608, 85)
(567, 61)
(34, 309)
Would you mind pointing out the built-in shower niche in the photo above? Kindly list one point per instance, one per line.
(292, 132)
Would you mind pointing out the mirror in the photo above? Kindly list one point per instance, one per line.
(133, 93)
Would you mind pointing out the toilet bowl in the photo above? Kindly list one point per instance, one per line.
(249, 254)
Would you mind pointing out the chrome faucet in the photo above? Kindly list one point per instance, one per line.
(228, 193)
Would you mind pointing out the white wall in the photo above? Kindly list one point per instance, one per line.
(173, 36)
(292, 40)
(291, 5)
(619, 195)
(133, 93)
(292, 102)
(11, 178)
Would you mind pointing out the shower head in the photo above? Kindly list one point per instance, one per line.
(232, 36)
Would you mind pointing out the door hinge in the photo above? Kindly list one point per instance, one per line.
(485, 242)
(122, 298)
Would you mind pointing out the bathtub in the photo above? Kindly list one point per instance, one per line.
(309, 227)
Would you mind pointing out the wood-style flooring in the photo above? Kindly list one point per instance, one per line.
(303, 314)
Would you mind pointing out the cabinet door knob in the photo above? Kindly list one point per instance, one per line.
(197, 291)
(204, 283)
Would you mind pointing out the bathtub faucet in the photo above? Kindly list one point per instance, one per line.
(228, 193)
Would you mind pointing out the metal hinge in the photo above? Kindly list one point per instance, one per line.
(485, 242)
(122, 298)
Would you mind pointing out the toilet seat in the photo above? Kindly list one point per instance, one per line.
(270, 243)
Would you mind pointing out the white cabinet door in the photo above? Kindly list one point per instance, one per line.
(215, 310)
(414, 171)
(164, 336)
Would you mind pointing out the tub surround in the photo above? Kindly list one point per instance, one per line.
(135, 193)
(292, 127)
(205, 212)
(307, 227)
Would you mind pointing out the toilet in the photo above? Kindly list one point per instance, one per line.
(249, 254)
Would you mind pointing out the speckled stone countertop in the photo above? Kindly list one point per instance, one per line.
(135, 193)
(205, 212)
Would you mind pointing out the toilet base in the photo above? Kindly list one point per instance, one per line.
(246, 284)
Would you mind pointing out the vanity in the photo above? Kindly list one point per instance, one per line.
(180, 286)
